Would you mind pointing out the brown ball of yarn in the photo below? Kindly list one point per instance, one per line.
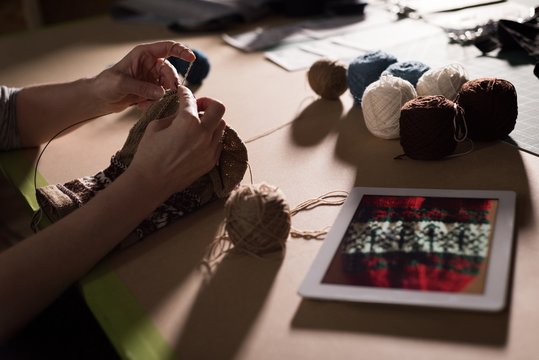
(490, 107)
(257, 219)
(427, 127)
(328, 78)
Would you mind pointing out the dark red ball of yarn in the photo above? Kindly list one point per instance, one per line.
(427, 127)
(490, 108)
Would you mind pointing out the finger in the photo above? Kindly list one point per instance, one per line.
(164, 49)
(168, 76)
(187, 103)
(213, 112)
(142, 89)
(217, 139)
(218, 133)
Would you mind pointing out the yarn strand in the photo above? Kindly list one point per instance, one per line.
(332, 198)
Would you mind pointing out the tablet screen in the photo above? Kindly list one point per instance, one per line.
(423, 243)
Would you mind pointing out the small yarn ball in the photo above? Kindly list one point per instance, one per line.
(490, 107)
(427, 127)
(407, 70)
(366, 69)
(257, 219)
(199, 71)
(445, 81)
(381, 105)
(327, 78)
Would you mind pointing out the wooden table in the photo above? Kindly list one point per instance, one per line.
(155, 301)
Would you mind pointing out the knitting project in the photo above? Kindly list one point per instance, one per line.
(56, 201)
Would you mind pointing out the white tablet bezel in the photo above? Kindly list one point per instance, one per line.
(493, 298)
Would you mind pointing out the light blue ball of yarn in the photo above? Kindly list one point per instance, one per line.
(366, 69)
(407, 70)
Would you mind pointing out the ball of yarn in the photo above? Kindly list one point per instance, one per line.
(327, 78)
(427, 127)
(445, 81)
(199, 71)
(381, 105)
(366, 69)
(490, 107)
(257, 219)
(407, 70)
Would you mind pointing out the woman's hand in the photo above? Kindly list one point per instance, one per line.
(176, 151)
(141, 76)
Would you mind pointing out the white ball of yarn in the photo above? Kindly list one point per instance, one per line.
(445, 81)
(382, 102)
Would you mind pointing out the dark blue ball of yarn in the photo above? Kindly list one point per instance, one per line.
(407, 70)
(366, 69)
(199, 70)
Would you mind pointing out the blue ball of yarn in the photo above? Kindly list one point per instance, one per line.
(407, 70)
(366, 69)
(199, 70)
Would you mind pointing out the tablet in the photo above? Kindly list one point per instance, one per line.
(425, 247)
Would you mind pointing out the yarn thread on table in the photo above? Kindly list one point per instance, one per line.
(381, 105)
(490, 106)
(410, 70)
(327, 78)
(366, 69)
(431, 127)
(446, 81)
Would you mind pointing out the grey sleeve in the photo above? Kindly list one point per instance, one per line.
(9, 131)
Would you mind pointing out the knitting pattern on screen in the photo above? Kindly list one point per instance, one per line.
(416, 243)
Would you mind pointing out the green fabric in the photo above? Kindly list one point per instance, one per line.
(122, 318)
(17, 168)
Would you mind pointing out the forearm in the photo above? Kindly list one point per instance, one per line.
(44, 110)
(34, 272)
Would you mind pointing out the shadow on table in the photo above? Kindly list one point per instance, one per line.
(402, 321)
(316, 121)
(489, 166)
(227, 306)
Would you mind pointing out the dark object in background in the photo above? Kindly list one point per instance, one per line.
(512, 35)
(199, 70)
(192, 15)
(318, 7)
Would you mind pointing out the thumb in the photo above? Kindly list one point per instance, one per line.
(142, 89)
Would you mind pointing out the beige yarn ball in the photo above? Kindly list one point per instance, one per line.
(327, 78)
(445, 81)
(257, 219)
(381, 105)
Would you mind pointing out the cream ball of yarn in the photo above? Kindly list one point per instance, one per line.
(381, 105)
(445, 81)
(257, 219)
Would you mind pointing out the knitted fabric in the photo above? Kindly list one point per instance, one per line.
(56, 201)
(419, 243)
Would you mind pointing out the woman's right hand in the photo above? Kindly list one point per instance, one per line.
(176, 151)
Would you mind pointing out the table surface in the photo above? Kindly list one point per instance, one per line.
(249, 308)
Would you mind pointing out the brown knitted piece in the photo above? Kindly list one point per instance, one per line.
(56, 201)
